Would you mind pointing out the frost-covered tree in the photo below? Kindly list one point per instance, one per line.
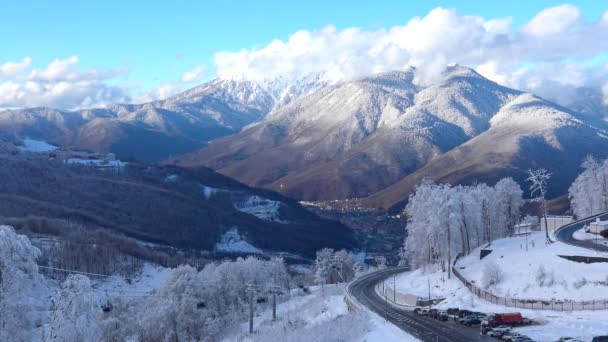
(77, 312)
(445, 221)
(509, 199)
(197, 305)
(334, 267)
(492, 275)
(589, 191)
(24, 293)
(538, 189)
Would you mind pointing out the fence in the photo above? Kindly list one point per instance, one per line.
(532, 303)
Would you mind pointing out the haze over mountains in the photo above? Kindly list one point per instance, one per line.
(319, 139)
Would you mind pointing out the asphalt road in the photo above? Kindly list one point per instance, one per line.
(564, 234)
(423, 328)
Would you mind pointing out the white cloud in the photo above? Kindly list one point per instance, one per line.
(60, 85)
(10, 69)
(159, 92)
(551, 51)
(553, 21)
(195, 75)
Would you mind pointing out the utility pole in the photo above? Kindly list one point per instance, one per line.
(429, 283)
(274, 289)
(251, 288)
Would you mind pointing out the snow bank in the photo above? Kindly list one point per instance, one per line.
(539, 272)
(262, 208)
(562, 280)
(319, 316)
(31, 145)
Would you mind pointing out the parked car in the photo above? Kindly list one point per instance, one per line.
(433, 313)
(452, 311)
(417, 310)
(423, 312)
(521, 338)
(462, 313)
(498, 332)
(510, 336)
(600, 339)
(470, 321)
(442, 317)
(480, 317)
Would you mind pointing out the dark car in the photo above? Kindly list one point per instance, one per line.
(453, 311)
(463, 313)
(600, 339)
(469, 321)
(442, 317)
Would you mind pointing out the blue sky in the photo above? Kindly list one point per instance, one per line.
(154, 42)
(158, 40)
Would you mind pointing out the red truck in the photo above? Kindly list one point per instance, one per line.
(506, 319)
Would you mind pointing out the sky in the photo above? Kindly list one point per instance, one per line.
(70, 54)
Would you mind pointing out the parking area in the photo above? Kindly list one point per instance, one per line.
(496, 325)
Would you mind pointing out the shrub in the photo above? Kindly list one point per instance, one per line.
(492, 275)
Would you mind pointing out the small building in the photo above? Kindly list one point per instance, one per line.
(598, 226)
(522, 228)
(554, 222)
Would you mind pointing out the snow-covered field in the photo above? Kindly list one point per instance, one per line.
(562, 279)
(321, 315)
(31, 145)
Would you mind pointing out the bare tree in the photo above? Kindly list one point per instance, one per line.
(538, 190)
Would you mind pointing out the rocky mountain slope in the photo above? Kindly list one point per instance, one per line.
(372, 136)
(157, 130)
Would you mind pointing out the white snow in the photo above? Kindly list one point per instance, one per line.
(151, 278)
(171, 178)
(520, 268)
(97, 162)
(319, 316)
(208, 191)
(262, 208)
(31, 145)
(231, 241)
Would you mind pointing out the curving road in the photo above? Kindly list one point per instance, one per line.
(362, 292)
(564, 234)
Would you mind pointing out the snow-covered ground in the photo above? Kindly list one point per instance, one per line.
(562, 279)
(231, 241)
(321, 315)
(152, 278)
(31, 145)
(117, 164)
(262, 208)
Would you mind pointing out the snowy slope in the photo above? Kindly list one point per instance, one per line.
(357, 138)
(526, 133)
(158, 130)
(319, 316)
(563, 280)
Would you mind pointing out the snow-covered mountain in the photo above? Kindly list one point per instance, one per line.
(156, 130)
(356, 138)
